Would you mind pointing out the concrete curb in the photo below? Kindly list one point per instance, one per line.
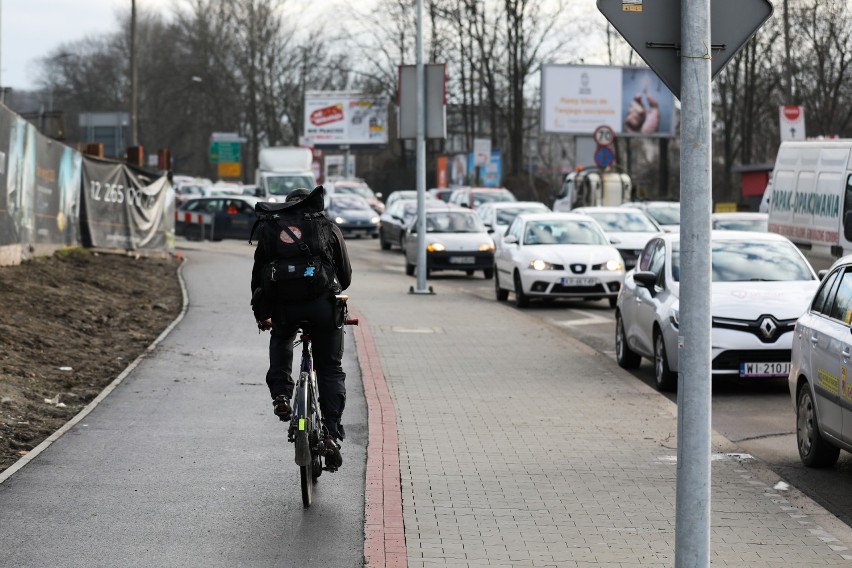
(384, 531)
(11, 470)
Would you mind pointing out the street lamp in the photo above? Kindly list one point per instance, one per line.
(134, 75)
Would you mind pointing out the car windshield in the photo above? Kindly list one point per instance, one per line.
(283, 185)
(506, 216)
(348, 203)
(626, 222)
(757, 225)
(756, 261)
(563, 232)
(480, 197)
(453, 222)
(665, 215)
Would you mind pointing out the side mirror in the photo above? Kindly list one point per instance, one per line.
(397, 217)
(847, 226)
(614, 240)
(645, 279)
(489, 229)
(510, 240)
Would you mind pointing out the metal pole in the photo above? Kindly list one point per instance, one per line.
(421, 158)
(134, 77)
(692, 520)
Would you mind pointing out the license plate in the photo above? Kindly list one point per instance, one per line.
(579, 281)
(462, 260)
(764, 369)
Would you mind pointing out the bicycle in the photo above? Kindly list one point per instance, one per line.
(306, 430)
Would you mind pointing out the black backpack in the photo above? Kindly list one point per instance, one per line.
(299, 238)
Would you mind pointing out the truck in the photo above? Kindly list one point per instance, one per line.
(811, 201)
(281, 169)
(592, 187)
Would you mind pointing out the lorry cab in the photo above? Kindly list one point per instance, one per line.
(282, 169)
(811, 200)
(589, 188)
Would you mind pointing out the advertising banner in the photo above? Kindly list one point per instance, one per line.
(334, 118)
(633, 101)
(489, 174)
(458, 170)
(124, 208)
(40, 181)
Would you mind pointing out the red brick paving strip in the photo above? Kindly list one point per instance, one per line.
(384, 542)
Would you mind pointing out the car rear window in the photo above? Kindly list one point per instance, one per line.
(491, 196)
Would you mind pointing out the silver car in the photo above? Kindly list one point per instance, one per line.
(761, 285)
(819, 386)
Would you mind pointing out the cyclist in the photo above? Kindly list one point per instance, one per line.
(283, 317)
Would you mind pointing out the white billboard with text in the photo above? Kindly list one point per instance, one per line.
(633, 101)
(334, 118)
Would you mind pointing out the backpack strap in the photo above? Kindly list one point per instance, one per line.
(257, 222)
(303, 246)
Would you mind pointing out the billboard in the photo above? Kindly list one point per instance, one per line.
(633, 101)
(334, 118)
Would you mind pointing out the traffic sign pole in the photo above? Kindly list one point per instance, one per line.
(692, 516)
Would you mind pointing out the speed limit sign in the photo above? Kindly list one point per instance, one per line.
(604, 136)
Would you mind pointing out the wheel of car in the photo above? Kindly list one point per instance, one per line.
(613, 301)
(521, 299)
(814, 450)
(192, 233)
(409, 268)
(665, 379)
(627, 358)
(488, 273)
(214, 236)
(382, 242)
(501, 294)
(402, 244)
(469, 272)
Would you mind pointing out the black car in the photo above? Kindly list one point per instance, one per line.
(216, 218)
(352, 214)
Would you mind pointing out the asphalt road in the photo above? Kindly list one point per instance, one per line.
(756, 415)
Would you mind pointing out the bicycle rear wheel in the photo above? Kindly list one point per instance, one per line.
(306, 477)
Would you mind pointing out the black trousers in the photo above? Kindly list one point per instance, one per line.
(327, 346)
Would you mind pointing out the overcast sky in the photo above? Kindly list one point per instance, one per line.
(30, 29)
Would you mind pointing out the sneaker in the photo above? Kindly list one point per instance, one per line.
(335, 429)
(281, 407)
(333, 457)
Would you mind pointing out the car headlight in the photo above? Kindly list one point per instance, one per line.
(614, 265)
(435, 247)
(374, 220)
(272, 200)
(539, 264)
(339, 220)
(675, 317)
(486, 247)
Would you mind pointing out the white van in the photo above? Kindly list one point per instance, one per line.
(812, 198)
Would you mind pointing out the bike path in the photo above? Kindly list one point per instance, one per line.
(184, 464)
(520, 446)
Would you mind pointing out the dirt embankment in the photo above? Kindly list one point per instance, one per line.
(69, 324)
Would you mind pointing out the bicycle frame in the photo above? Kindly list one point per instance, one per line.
(307, 416)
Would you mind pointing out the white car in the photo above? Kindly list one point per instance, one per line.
(497, 215)
(629, 229)
(556, 255)
(456, 239)
(665, 213)
(761, 284)
(740, 221)
(819, 386)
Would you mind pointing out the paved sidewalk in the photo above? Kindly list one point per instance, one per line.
(521, 447)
